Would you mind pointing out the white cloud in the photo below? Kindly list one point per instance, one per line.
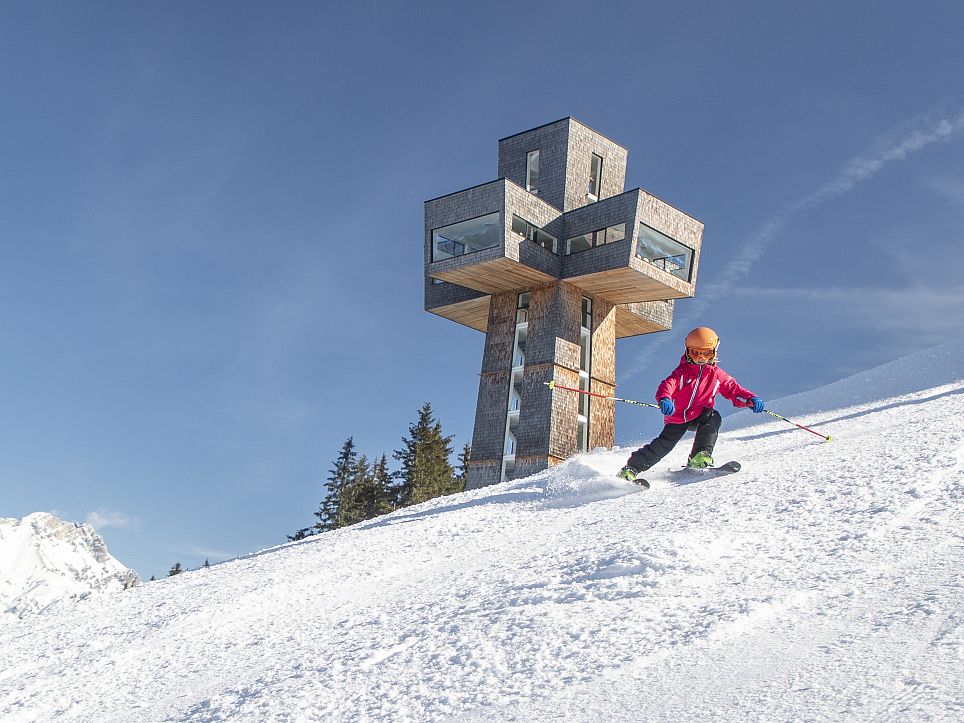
(952, 189)
(897, 311)
(888, 322)
(923, 130)
(207, 553)
(101, 519)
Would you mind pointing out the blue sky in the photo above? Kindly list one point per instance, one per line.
(211, 224)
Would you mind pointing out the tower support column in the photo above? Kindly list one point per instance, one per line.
(521, 427)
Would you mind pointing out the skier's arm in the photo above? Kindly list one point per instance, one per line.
(667, 388)
(731, 389)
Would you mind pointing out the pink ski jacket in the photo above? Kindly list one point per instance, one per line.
(693, 388)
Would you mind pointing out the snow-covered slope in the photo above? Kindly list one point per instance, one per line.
(822, 583)
(44, 561)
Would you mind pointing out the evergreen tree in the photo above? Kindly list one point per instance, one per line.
(302, 534)
(369, 494)
(462, 478)
(206, 563)
(329, 512)
(153, 578)
(176, 570)
(383, 497)
(426, 472)
(352, 508)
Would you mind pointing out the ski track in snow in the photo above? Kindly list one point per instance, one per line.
(822, 582)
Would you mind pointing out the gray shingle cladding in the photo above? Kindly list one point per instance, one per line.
(609, 212)
(437, 295)
(583, 143)
(551, 142)
(461, 206)
(565, 150)
(502, 196)
(520, 202)
(659, 215)
(659, 312)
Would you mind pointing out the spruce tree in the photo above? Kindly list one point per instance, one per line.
(383, 498)
(341, 475)
(426, 471)
(302, 534)
(462, 478)
(175, 570)
(370, 494)
(353, 496)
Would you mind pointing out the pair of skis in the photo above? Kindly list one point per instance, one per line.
(705, 472)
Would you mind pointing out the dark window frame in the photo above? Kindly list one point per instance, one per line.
(597, 193)
(468, 253)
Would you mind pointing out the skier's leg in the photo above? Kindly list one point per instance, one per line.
(707, 430)
(645, 457)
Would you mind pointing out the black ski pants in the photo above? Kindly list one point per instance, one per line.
(707, 427)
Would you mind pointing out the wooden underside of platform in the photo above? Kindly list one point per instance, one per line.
(473, 313)
(627, 286)
(629, 324)
(492, 277)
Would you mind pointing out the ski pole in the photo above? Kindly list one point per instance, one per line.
(552, 385)
(774, 414)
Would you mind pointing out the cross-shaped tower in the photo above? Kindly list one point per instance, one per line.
(554, 261)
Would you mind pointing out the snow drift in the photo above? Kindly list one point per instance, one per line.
(822, 582)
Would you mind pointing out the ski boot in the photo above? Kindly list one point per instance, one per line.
(627, 473)
(700, 460)
(633, 475)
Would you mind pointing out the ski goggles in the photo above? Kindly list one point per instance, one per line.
(701, 353)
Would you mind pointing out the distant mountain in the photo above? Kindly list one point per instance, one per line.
(44, 560)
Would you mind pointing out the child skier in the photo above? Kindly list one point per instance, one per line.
(686, 399)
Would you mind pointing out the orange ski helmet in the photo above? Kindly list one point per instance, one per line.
(703, 339)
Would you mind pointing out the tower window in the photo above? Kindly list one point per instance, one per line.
(664, 252)
(534, 233)
(532, 171)
(595, 176)
(601, 237)
(522, 307)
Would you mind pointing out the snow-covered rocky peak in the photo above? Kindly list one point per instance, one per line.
(45, 560)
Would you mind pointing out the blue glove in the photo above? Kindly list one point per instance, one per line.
(667, 407)
(757, 405)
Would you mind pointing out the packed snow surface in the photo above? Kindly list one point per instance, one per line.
(823, 582)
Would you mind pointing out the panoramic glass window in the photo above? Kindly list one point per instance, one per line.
(603, 236)
(532, 171)
(664, 252)
(534, 233)
(466, 237)
(595, 175)
(612, 234)
(579, 243)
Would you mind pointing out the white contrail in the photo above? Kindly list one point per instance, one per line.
(927, 130)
